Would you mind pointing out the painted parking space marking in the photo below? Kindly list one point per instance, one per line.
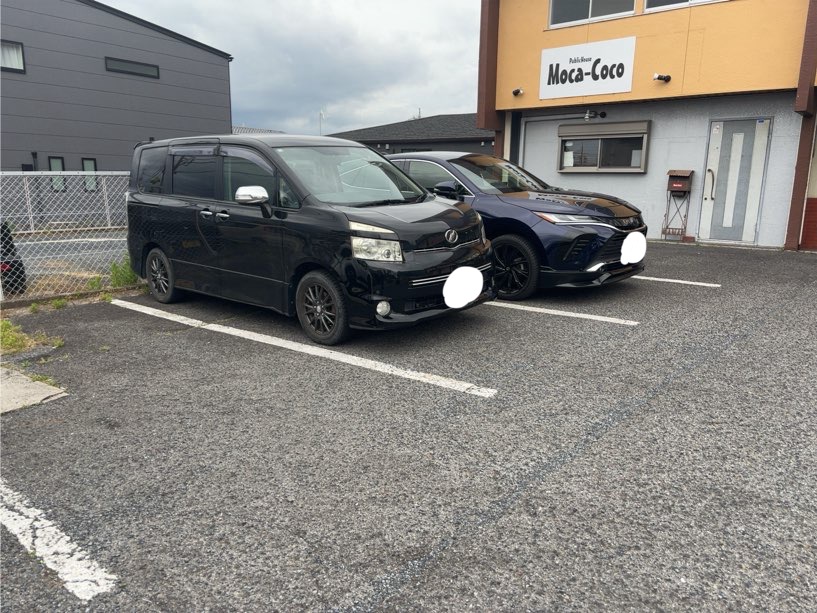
(521, 307)
(80, 575)
(317, 351)
(676, 281)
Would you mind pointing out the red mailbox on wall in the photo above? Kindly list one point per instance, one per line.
(679, 181)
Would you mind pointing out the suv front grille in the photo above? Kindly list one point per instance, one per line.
(625, 222)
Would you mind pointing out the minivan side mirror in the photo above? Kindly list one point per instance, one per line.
(447, 189)
(251, 194)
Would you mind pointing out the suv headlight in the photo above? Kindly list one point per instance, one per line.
(376, 249)
(562, 218)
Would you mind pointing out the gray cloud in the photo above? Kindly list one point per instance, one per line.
(364, 62)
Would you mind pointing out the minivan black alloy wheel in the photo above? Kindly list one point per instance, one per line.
(321, 308)
(516, 267)
(160, 277)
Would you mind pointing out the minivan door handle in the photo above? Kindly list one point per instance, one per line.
(206, 214)
(222, 216)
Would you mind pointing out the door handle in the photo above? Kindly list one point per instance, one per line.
(222, 216)
(711, 185)
(206, 214)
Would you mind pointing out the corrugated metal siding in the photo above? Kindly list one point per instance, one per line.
(68, 105)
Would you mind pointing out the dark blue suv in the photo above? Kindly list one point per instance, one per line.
(543, 236)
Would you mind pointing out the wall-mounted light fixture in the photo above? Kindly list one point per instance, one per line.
(593, 114)
(518, 91)
(662, 77)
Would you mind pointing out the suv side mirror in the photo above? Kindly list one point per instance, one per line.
(251, 194)
(447, 189)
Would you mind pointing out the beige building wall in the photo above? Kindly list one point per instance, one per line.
(730, 46)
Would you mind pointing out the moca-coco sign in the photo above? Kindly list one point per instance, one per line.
(586, 70)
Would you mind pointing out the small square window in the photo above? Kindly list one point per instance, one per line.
(140, 69)
(12, 58)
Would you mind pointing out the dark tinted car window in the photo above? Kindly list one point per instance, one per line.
(241, 172)
(151, 170)
(496, 176)
(243, 167)
(429, 174)
(194, 176)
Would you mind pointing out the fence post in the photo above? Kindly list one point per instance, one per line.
(27, 193)
(105, 197)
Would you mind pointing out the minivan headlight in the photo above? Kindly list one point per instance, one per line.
(562, 218)
(376, 249)
(364, 227)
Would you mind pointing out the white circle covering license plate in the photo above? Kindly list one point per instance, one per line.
(462, 286)
(634, 248)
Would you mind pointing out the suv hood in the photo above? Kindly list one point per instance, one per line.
(572, 203)
(421, 225)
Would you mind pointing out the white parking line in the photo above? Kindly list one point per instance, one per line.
(82, 576)
(452, 384)
(677, 281)
(520, 307)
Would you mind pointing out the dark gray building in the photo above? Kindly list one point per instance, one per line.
(436, 133)
(83, 82)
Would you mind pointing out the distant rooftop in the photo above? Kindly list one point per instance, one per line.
(435, 128)
(248, 130)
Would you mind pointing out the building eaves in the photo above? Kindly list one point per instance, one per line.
(156, 28)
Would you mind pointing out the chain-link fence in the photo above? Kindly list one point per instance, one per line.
(62, 233)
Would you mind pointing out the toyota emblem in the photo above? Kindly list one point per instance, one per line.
(451, 236)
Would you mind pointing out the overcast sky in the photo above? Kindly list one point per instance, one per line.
(364, 62)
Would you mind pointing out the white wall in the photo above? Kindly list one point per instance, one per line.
(678, 139)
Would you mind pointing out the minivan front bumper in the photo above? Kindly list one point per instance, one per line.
(414, 288)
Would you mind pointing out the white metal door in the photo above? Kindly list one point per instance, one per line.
(733, 181)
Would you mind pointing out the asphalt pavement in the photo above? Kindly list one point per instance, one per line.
(659, 457)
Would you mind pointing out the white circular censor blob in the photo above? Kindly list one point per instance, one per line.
(462, 286)
(634, 248)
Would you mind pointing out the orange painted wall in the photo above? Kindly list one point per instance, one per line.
(723, 47)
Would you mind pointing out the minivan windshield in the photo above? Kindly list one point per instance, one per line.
(351, 176)
(496, 176)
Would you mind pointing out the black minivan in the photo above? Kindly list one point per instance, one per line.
(322, 228)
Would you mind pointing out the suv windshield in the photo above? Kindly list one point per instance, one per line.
(495, 176)
(351, 176)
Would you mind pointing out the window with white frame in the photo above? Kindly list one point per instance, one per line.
(668, 4)
(11, 56)
(563, 12)
(614, 147)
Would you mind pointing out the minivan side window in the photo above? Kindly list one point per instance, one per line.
(194, 175)
(151, 171)
(243, 168)
(241, 172)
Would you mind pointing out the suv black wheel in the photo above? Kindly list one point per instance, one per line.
(516, 267)
(160, 277)
(321, 308)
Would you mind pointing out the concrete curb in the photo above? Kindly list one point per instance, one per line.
(18, 391)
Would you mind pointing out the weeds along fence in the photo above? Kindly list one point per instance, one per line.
(62, 233)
